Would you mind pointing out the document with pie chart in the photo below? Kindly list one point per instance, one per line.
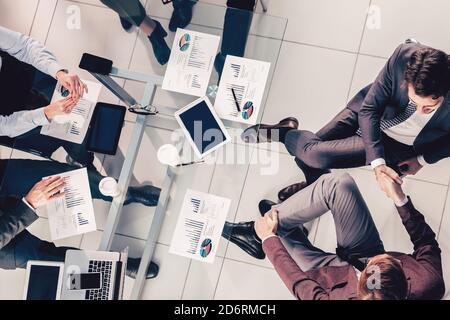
(191, 62)
(199, 227)
(241, 89)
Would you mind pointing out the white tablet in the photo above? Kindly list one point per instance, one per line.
(43, 280)
(203, 128)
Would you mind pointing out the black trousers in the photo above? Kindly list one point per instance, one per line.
(17, 93)
(133, 11)
(336, 146)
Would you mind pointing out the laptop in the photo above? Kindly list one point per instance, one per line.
(85, 275)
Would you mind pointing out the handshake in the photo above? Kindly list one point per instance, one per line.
(390, 183)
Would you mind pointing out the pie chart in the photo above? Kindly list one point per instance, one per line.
(205, 248)
(247, 110)
(185, 42)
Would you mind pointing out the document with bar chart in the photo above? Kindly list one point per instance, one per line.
(191, 62)
(73, 127)
(199, 226)
(73, 213)
(241, 89)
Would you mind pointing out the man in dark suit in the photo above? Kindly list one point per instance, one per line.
(398, 124)
(23, 190)
(361, 269)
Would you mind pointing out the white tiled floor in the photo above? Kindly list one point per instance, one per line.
(332, 48)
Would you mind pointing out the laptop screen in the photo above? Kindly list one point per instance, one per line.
(43, 282)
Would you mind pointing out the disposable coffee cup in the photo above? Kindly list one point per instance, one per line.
(168, 155)
(109, 187)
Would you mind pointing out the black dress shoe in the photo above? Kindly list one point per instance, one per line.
(263, 132)
(265, 206)
(181, 15)
(244, 236)
(133, 267)
(146, 195)
(289, 191)
(160, 47)
(126, 25)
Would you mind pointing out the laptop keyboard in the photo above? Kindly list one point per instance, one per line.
(104, 267)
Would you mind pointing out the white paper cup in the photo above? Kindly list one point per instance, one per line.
(109, 187)
(168, 155)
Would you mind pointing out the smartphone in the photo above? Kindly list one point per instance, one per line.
(85, 281)
(95, 64)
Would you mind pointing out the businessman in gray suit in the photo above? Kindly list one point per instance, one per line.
(398, 124)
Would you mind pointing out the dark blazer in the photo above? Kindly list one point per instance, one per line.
(15, 216)
(423, 268)
(386, 98)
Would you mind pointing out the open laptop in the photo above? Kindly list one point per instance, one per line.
(85, 275)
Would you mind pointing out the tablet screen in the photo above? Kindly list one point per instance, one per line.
(203, 128)
(43, 282)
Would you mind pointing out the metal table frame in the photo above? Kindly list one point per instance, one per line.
(113, 218)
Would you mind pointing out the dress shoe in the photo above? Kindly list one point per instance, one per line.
(289, 191)
(265, 206)
(133, 268)
(181, 15)
(160, 47)
(263, 132)
(146, 195)
(126, 25)
(244, 236)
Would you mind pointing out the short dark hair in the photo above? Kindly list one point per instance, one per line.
(393, 284)
(428, 71)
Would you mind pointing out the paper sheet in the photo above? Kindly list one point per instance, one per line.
(191, 62)
(72, 214)
(73, 127)
(199, 227)
(248, 80)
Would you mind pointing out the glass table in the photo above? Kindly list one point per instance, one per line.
(224, 172)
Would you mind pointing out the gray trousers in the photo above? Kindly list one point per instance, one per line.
(356, 232)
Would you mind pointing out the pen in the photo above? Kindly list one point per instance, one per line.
(235, 100)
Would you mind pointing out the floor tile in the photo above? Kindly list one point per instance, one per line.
(310, 84)
(202, 280)
(239, 280)
(444, 243)
(42, 20)
(422, 20)
(18, 15)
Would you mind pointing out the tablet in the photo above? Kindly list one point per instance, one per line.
(106, 128)
(202, 127)
(43, 280)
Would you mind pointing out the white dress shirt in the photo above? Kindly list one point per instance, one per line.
(32, 52)
(406, 133)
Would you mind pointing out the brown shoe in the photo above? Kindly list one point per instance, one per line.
(260, 133)
(289, 191)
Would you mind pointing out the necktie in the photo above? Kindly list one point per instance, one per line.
(402, 117)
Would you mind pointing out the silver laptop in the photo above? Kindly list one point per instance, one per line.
(94, 275)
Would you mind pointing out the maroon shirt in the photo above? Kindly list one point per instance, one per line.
(423, 268)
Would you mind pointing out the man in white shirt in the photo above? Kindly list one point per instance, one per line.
(22, 109)
(398, 124)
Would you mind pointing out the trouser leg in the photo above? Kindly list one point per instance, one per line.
(130, 10)
(355, 229)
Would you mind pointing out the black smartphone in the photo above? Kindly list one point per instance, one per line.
(85, 281)
(95, 64)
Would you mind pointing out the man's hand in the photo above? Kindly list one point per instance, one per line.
(59, 107)
(410, 166)
(45, 191)
(386, 175)
(72, 83)
(268, 225)
(392, 189)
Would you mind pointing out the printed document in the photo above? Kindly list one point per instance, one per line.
(73, 127)
(72, 214)
(199, 227)
(241, 89)
(191, 62)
